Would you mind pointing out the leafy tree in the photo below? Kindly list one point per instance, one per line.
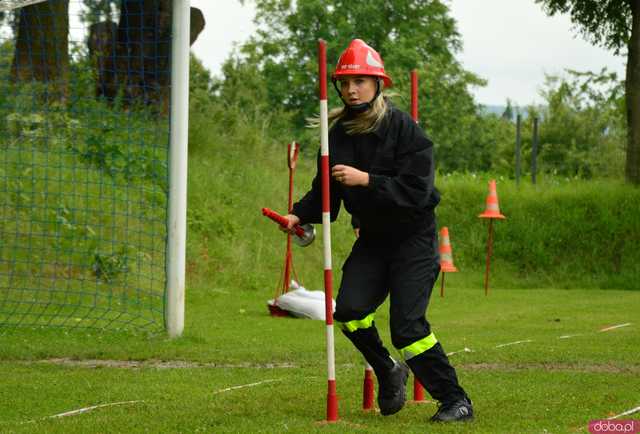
(96, 11)
(615, 24)
(8, 19)
(582, 126)
(408, 34)
(508, 111)
(582, 130)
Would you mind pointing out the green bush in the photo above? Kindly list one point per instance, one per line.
(563, 232)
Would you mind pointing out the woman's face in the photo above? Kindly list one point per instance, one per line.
(357, 89)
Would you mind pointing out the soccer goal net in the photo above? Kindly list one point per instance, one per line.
(85, 91)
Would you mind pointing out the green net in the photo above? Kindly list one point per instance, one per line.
(83, 164)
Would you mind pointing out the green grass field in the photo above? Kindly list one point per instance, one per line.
(546, 383)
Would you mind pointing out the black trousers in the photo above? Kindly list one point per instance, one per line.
(406, 272)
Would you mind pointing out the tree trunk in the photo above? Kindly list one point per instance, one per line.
(632, 90)
(137, 60)
(142, 61)
(102, 43)
(143, 49)
(42, 46)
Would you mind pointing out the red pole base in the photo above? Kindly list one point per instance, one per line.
(489, 250)
(418, 390)
(332, 402)
(368, 390)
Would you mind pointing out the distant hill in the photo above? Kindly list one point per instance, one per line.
(499, 109)
(493, 109)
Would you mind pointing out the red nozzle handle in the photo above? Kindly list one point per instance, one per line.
(281, 220)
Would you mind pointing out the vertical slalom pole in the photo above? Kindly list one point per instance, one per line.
(414, 95)
(292, 156)
(488, 261)
(332, 398)
(418, 390)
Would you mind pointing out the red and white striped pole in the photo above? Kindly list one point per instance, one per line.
(332, 398)
(418, 390)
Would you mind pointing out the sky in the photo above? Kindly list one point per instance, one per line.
(510, 43)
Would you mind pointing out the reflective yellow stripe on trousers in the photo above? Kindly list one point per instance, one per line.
(356, 324)
(419, 347)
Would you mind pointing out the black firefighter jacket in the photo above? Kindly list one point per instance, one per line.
(400, 198)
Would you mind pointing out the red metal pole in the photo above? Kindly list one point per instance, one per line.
(292, 155)
(418, 390)
(414, 95)
(489, 251)
(332, 398)
(288, 259)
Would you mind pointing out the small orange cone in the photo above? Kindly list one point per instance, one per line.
(446, 258)
(492, 210)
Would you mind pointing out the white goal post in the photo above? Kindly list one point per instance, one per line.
(177, 227)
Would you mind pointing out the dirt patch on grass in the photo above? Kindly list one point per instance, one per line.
(559, 367)
(185, 364)
(154, 364)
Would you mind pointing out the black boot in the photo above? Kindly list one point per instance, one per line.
(392, 389)
(456, 411)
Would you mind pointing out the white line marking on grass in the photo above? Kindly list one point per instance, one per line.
(514, 343)
(245, 385)
(606, 329)
(570, 336)
(86, 410)
(465, 350)
(151, 363)
(626, 413)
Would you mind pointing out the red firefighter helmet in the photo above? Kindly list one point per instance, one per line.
(361, 59)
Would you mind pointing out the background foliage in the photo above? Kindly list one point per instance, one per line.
(276, 71)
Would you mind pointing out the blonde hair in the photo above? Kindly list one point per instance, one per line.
(361, 123)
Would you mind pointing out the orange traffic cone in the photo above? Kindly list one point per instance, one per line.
(446, 258)
(492, 210)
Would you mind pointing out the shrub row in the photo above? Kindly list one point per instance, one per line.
(558, 233)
